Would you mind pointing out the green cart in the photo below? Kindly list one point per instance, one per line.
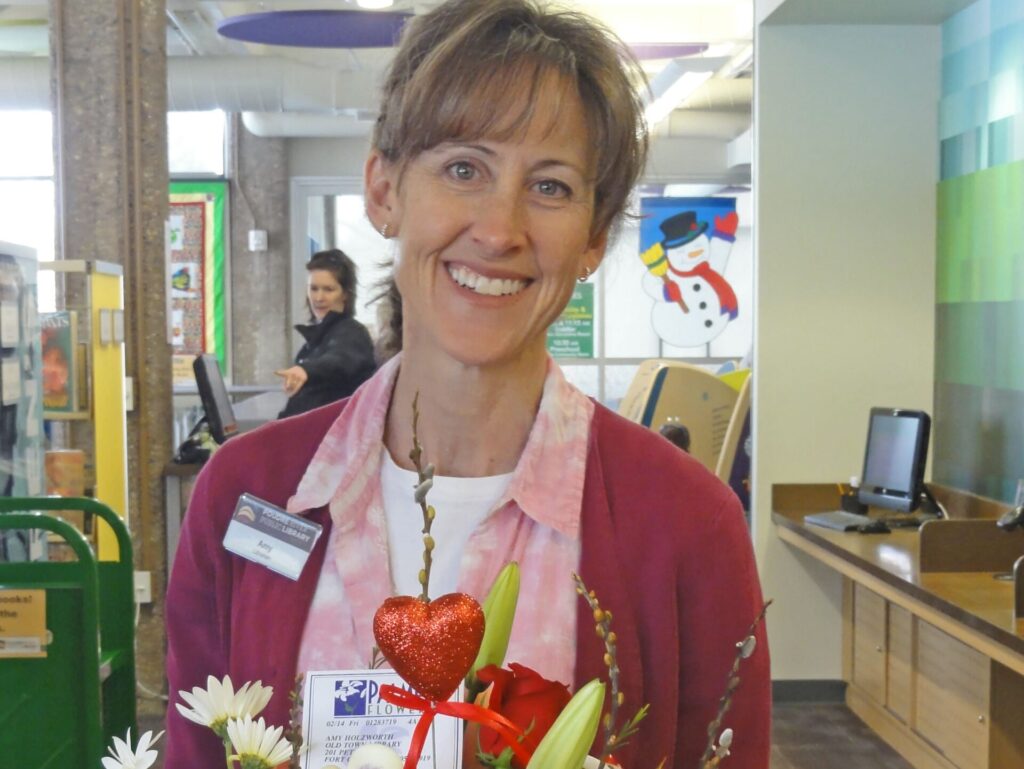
(61, 710)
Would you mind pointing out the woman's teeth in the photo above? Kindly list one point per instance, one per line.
(489, 286)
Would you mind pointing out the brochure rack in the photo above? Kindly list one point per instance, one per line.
(62, 707)
(101, 395)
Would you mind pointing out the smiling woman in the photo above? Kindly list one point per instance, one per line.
(508, 141)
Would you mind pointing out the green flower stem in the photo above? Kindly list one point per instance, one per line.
(227, 752)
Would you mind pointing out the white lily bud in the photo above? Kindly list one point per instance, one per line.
(375, 757)
(566, 743)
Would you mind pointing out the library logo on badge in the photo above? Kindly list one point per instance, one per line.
(349, 697)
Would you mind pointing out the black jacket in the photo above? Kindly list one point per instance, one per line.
(337, 356)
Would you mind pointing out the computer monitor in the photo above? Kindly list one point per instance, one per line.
(894, 459)
(220, 416)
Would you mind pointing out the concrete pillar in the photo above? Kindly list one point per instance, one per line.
(260, 326)
(109, 88)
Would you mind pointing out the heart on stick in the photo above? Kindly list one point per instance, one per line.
(431, 645)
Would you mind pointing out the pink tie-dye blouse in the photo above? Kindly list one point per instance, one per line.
(536, 522)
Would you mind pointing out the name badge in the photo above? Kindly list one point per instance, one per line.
(264, 533)
(343, 709)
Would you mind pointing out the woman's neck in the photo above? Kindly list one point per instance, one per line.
(473, 421)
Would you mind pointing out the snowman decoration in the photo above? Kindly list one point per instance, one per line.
(693, 302)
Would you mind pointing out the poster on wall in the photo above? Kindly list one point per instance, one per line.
(195, 273)
(685, 245)
(572, 335)
(59, 350)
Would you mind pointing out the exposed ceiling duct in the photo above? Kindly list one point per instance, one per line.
(286, 98)
(233, 84)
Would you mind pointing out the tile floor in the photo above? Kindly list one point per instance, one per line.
(811, 735)
(826, 735)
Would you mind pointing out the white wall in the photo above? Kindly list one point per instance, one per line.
(846, 166)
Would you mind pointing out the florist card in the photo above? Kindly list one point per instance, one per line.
(343, 709)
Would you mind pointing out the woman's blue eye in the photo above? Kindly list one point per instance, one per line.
(552, 188)
(462, 171)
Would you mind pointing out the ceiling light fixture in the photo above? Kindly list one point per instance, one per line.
(374, 4)
(676, 83)
(317, 28)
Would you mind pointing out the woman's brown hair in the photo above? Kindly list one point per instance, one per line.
(457, 65)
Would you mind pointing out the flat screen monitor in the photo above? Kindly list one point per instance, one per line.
(220, 416)
(894, 459)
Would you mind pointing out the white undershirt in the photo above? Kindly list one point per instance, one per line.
(460, 503)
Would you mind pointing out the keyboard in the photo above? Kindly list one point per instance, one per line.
(838, 520)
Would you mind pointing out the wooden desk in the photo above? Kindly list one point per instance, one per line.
(934, 660)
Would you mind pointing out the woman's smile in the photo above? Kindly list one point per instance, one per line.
(484, 285)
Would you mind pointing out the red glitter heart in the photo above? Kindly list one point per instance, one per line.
(430, 645)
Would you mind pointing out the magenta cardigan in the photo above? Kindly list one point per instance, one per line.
(664, 545)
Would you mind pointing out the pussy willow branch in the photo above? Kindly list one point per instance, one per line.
(426, 480)
(603, 628)
(709, 760)
(294, 731)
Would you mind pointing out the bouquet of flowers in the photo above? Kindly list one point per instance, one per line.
(519, 719)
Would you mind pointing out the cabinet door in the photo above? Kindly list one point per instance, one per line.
(869, 643)
(899, 665)
(952, 697)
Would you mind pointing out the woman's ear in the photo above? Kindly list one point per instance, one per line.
(380, 192)
(594, 254)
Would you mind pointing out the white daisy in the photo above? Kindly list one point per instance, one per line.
(126, 758)
(256, 745)
(219, 701)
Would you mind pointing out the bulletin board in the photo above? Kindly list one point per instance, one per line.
(196, 235)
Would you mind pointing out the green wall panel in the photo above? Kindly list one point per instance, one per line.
(981, 236)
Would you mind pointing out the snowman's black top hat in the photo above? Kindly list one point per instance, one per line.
(681, 229)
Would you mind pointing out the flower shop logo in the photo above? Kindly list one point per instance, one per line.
(350, 697)
(356, 697)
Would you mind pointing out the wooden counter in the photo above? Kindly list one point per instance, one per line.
(915, 638)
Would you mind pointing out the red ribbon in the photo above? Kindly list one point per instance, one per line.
(513, 736)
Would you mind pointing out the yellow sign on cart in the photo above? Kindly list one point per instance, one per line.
(22, 623)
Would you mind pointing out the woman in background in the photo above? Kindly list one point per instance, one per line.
(338, 354)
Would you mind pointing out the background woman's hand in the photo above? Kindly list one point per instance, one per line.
(294, 378)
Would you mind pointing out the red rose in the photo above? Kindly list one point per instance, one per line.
(525, 698)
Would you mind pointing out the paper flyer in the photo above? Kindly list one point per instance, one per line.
(342, 709)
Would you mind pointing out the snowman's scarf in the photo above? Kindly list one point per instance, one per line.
(726, 296)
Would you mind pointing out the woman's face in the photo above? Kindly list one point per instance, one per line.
(493, 235)
(324, 293)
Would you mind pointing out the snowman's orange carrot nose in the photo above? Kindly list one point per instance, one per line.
(656, 261)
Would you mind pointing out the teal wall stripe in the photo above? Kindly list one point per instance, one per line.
(981, 112)
(966, 27)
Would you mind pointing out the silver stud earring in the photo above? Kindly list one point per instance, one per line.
(587, 272)
(384, 230)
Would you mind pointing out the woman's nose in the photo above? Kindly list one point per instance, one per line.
(500, 222)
